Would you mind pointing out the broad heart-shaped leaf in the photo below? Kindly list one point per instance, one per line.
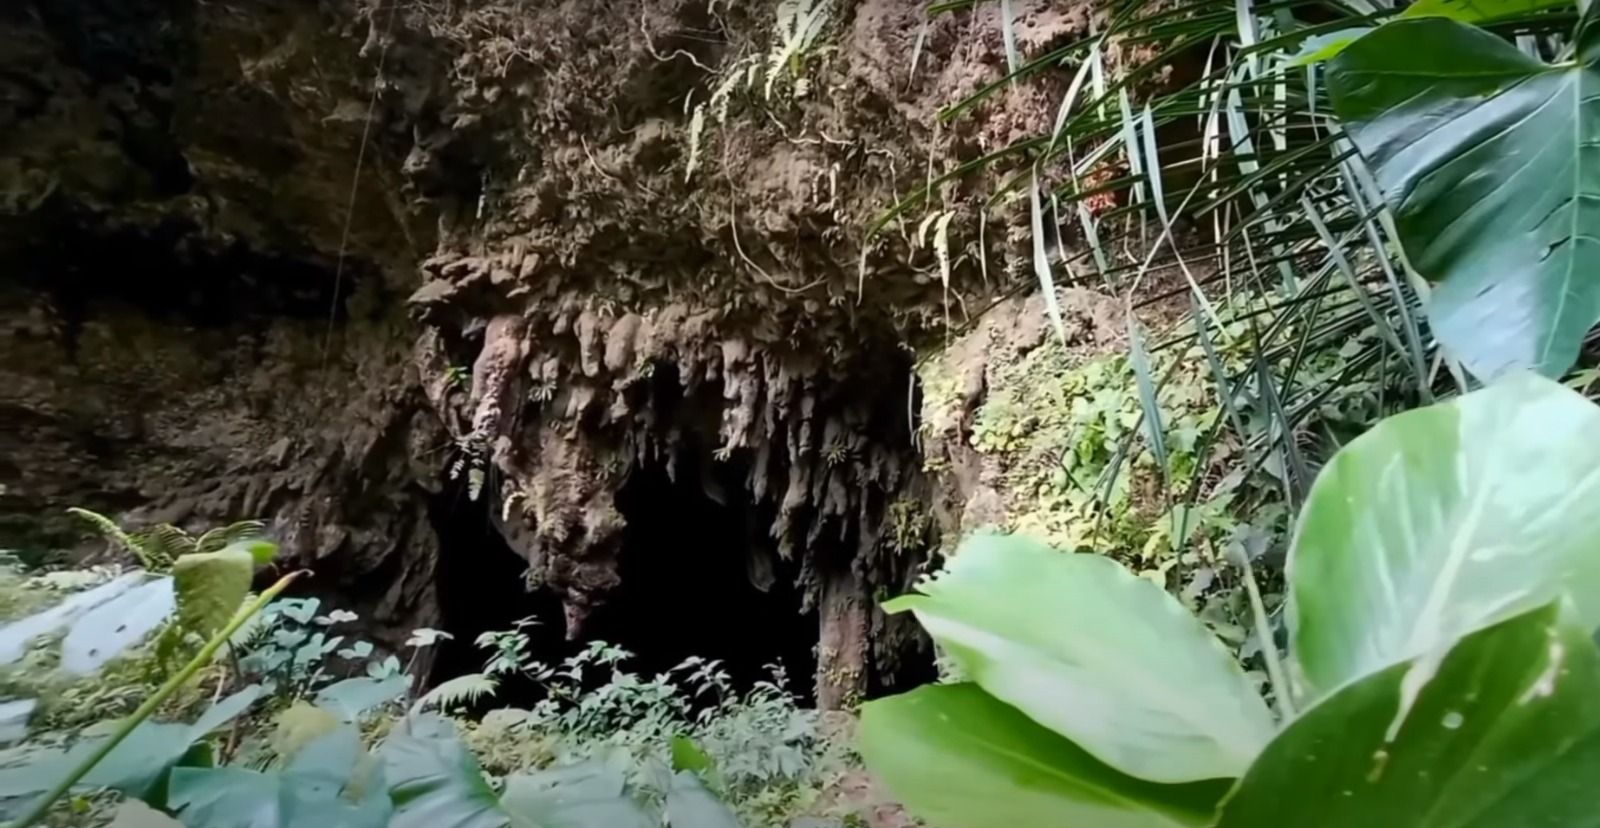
(1444, 519)
(317, 789)
(1096, 654)
(1502, 732)
(590, 795)
(211, 586)
(1490, 160)
(959, 758)
(435, 781)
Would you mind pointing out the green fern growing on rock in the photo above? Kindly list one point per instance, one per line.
(211, 576)
(161, 546)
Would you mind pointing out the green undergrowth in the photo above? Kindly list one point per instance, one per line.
(309, 673)
(1064, 438)
(773, 760)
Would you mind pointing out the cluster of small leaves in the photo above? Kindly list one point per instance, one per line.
(289, 648)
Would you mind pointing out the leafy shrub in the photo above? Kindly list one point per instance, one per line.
(289, 648)
(1443, 593)
(771, 757)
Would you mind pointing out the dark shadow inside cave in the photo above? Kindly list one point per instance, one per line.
(482, 587)
(692, 552)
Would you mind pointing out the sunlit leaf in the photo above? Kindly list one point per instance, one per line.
(1096, 654)
(1487, 157)
(958, 758)
(1441, 520)
(1503, 732)
(225, 711)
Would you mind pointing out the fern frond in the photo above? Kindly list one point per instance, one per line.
(224, 536)
(117, 536)
(166, 543)
(460, 690)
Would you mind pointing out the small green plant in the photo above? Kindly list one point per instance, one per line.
(319, 772)
(289, 648)
(770, 756)
(160, 547)
(1444, 589)
(797, 26)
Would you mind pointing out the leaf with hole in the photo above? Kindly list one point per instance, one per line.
(1097, 654)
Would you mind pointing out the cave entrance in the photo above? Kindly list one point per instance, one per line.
(693, 553)
(482, 587)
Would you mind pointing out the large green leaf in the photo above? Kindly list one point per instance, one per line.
(1488, 158)
(959, 758)
(1504, 732)
(1444, 519)
(435, 781)
(352, 698)
(137, 766)
(1319, 48)
(211, 586)
(1481, 11)
(316, 789)
(1096, 654)
(589, 795)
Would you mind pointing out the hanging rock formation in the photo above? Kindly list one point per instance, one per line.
(314, 261)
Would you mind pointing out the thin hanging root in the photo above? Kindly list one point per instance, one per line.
(355, 183)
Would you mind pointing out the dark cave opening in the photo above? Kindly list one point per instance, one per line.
(482, 587)
(693, 552)
(686, 589)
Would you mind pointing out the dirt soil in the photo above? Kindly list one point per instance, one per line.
(319, 260)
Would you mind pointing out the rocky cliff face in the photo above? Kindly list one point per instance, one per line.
(330, 262)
